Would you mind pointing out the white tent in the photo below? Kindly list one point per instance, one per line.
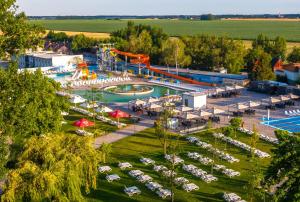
(228, 88)
(271, 100)
(138, 102)
(237, 87)
(154, 106)
(77, 99)
(86, 105)
(293, 96)
(284, 98)
(251, 104)
(189, 116)
(151, 100)
(219, 90)
(184, 108)
(216, 111)
(203, 113)
(103, 109)
(239, 106)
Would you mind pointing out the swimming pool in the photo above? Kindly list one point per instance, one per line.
(107, 97)
(289, 124)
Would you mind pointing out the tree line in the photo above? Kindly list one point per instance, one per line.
(203, 52)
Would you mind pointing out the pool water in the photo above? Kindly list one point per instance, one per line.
(62, 76)
(291, 125)
(107, 97)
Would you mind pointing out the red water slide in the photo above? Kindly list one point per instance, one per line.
(145, 59)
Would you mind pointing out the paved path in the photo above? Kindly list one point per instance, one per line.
(124, 132)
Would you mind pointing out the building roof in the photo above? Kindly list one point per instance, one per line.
(292, 67)
(47, 54)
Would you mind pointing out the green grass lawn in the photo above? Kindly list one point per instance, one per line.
(145, 144)
(233, 29)
(74, 116)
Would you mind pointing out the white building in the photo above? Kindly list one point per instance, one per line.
(48, 59)
(290, 71)
(195, 100)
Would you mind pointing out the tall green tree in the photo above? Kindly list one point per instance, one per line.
(284, 168)
(173, 53)
(259, 65)
(294, 56)
(17, 34)
(105, 149)
(55, 167)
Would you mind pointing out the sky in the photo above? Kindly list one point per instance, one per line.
(157, 7)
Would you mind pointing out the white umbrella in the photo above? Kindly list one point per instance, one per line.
(216, 111)
(86, 105)
(252, 104)
(103, 108)
(228, 88)
(203, 113)
(189, 116)
(138, 102)
(184, 108)
(219, 90)
(271, 100)
(283, 98)
(237, 87)
(154, 106)
(151, 100)
(239, 106)
(77, 99)
(293, 96)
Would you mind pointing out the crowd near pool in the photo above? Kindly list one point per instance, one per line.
(108, 97)
(289, 124)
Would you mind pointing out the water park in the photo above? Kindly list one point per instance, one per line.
(122, 95)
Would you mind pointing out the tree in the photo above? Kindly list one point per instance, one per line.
(80, 42)
(105, 151)
(236, 122)
(161, 127)
(284, 168)
(17, 35)
(29, 107)
(259, 65)
(173, 53)
(279, 48)
(141, 43)
(294, 56)
(57, 37)
(229, 132)
(55, 167)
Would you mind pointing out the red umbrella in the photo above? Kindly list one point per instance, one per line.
(82, 123)
(118, 114)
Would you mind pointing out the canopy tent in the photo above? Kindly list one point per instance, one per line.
(184, 108)
(118, 114)
(219, 90)
(251, 104)
(138, 102)
(239, 106)
(271, 100)
(103, 109)
(83, 123)
(237, 87)
(203, 113)
(228, 88)
(77, 99)
(189, 116)
(215, 111)
(292, 96)
(151, 100)
(283, 98)
(176, 111)
(154, 106)
(89, 105)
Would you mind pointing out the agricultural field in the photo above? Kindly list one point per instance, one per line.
(238, 29)
(146, 144)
